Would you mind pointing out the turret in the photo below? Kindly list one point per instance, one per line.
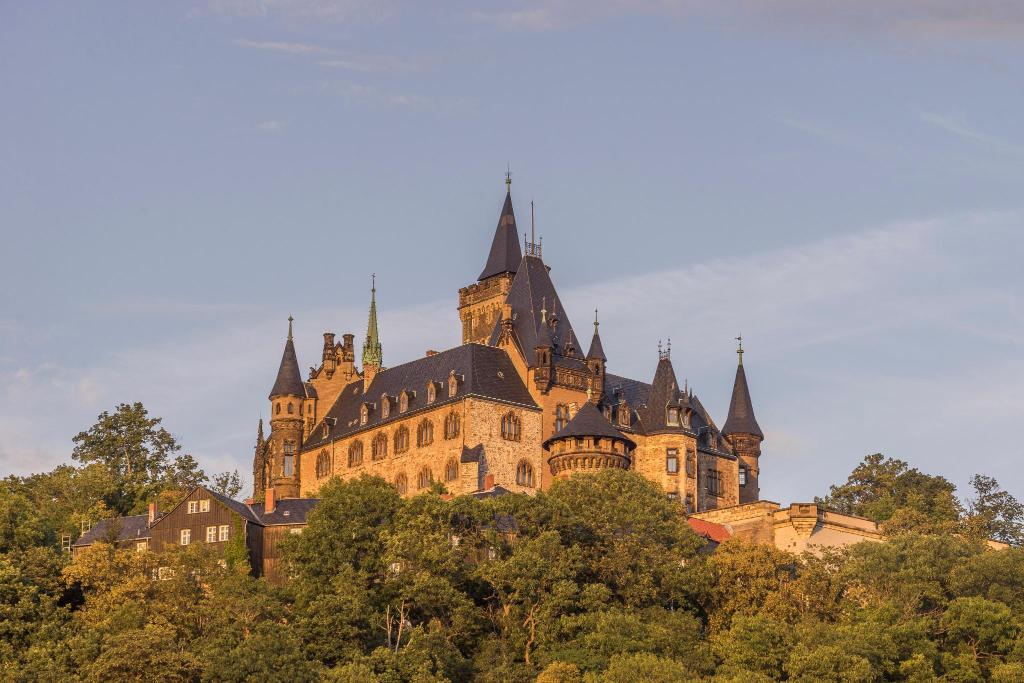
(744, 434)
(596, 362)
(286, 406)
(480, 303)
(543, 354)
(586, 444)
(372, 353)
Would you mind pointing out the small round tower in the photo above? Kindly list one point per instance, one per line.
(587, 444)
(286, 408)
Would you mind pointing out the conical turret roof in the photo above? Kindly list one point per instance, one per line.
(289, 379)
(372, 352)
(505, 253)
(596, 351)
(741, 409)
(588, 421)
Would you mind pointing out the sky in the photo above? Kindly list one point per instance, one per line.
(838, 181)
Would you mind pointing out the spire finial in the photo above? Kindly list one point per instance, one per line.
(508, 178)
(595, 321)
(543, 310)
(290, 319)
(739, 351)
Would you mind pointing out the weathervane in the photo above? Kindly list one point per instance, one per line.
(739, 351)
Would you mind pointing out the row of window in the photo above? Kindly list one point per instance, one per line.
(404, 396)
(197, 506)
(213, 534)
(712, 477)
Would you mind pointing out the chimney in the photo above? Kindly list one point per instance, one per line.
(152, 512)
(268, 501)
(431, 352)
(488, 482)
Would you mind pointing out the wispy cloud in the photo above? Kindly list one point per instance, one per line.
(284, 47)
(333, 58)
(372, 95)
(335, 10)
(956, 127)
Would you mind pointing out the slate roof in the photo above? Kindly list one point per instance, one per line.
(132, 527)
(531, 291)
(741, 410)
(241, 508)
(596, 349)
(505, 253)
(588, 421)
(286, 511)
(483, 371)
(289, 379)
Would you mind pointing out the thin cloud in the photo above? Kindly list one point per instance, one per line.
(334, 10)
(284, 48)
(961, 130)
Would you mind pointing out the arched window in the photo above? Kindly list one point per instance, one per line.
(355, 453)
(291, 408)
(561, 416)
(431, 392)
(524, 474)
(425, 479)
(278, 408)
(385, 407)
(401, 483)
(323, 465)
(401, 440)
(451, 470)
(511, 429)
(379, 447)
(425, 433)
(673, 416)
(451, 425)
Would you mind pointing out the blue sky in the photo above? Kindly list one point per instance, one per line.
(842, 186)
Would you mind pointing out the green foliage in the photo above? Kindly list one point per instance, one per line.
(227, 483)
(598, 580)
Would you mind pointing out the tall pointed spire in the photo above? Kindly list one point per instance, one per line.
(289, 379)
(596, 351)
(741, 409)
(505, 253)
(372, 354)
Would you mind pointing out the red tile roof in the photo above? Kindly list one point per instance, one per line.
(715, 532)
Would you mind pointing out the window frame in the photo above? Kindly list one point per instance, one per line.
(184, 537)
(672, 461)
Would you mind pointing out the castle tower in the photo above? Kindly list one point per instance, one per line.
(596, 361)
(372, 352)
(743, 433)
(587, 444)
(480, 303)
(286, 402)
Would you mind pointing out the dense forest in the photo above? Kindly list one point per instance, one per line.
(598, 579)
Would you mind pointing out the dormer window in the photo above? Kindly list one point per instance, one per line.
(403, 402)
(623, 414)
(431, 392)
(364, 414)
(453, 384)
(385, 407)
(673, 416)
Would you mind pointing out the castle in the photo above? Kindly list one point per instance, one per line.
(516, 406)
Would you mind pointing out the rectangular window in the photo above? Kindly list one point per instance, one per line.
(288, 465)
(672, 461)
(141, 546)
(223, 533)
(193, 507)
(186, 536)
(711, 482)
(211, 534)
(295, 530)
(691, 462)
(204, 505)
(743, 476)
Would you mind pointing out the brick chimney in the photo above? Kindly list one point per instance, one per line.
(269, 503)
(488, 482)
(152, 512)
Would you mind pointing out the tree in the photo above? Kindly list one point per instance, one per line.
(995, 513)
(228, 483)
(139, 454)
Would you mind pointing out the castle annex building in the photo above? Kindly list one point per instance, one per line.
(522, 401)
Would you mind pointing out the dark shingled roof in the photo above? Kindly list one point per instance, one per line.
(472, 454)
(289, 379)
(505, 253)
(286, 511)
(131, 528)
(741, 410)
(237, 506)
(588, 421)
(483, 371)
(531, 291)
(664, 390)
(596, 350)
